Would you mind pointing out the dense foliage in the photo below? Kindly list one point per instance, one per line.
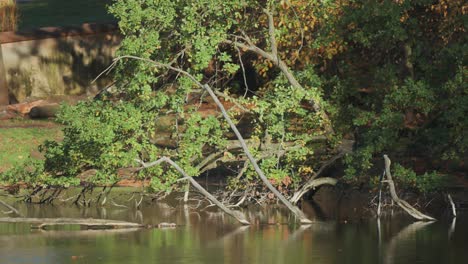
(400, 85)
(389, 75)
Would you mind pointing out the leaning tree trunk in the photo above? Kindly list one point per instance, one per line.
(402, 203)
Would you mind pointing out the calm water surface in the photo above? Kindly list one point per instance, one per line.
(211, 237)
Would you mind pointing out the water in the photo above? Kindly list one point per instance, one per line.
(211, 237)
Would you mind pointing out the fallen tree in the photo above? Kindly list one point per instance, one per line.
(159, 108)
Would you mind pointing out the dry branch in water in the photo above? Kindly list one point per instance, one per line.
(11, 208)
(452, 204)
(237, 215)
(87, 222)
(403, 204)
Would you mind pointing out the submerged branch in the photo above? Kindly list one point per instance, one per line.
(87, 222)
(237, 215)
(11, 208)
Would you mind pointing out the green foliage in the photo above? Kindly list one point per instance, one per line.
(391, 74)
(428, 182)
(400, 83)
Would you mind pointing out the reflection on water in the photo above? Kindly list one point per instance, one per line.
(212, 237)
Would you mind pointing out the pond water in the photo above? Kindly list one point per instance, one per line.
(211, 237)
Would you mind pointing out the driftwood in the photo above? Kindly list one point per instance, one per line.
(403, 204)
(237, 215)
(86, 222)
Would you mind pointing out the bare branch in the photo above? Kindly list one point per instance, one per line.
(310, 185)
(313, 182)
(452, 204)
(403, 204)
(237, 215)
(11, 208)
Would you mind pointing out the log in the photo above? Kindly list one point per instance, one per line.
(90, 223)
(403, 204)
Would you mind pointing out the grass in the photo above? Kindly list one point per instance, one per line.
(45, 13)
(20, 139)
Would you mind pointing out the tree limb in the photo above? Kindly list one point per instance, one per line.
(11, 208)
(237, 215)
(403, 204)
(310, 185)
(313, 182)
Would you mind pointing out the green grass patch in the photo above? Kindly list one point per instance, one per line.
(46, 13)
(19, 140)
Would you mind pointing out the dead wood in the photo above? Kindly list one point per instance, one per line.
(452, 205)
(311, 185)
(86, 222)
(11, 208)
(237, 215)
(403, 204)
(315, 182)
